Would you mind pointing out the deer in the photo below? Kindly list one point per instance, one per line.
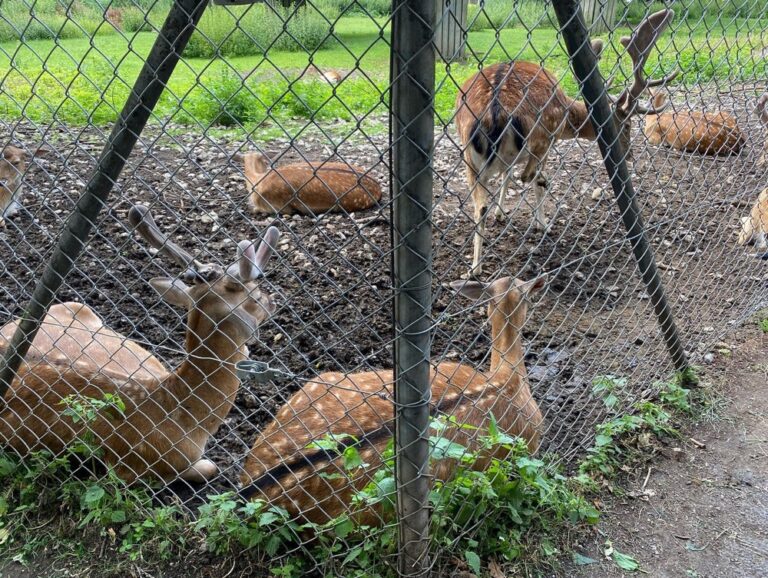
(13, 164)
(706, 133)
(762, 112)
(168, 416)
(755, 227)
(307, 188)
(511, 113)
(284, 469)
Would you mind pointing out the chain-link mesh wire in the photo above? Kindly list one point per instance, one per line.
(306, 85)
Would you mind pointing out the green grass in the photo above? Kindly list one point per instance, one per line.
(81, 80)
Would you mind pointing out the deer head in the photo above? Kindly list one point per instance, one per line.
(228, 297)
(639, 46)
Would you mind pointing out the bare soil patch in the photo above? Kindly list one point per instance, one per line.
(702, 513)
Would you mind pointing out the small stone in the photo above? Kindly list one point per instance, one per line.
(709, 358)
(597, 193)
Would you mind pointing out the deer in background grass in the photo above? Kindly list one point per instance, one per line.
(708, 133)
(168, 417)
(307, 188)
(312, 484)
(511, 114)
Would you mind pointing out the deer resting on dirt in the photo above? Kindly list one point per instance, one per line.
(169, 416)
(511, 114)
(13, 163)
(312, 484)
(755, 227)
(708, 133)
(308, 188)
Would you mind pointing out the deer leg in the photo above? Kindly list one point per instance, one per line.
(500, 212)
(760, 241)
(533, 173)
(480, 202)
(199, 472)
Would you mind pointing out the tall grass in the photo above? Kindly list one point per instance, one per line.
(242, 31)
(28, 20)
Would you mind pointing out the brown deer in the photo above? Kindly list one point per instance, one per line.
(708, 133)
(308, 188)
(762, 113)
(13, 163)
(755, 227)
(312, 484)
(511, 113)
(168, 416)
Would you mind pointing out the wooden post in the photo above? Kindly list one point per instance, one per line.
(450, 29)
(599, 15)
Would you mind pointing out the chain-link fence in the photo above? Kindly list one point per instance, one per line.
(494, 262)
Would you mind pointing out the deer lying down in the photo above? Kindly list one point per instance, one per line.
(708, 133)
(169, 416)
(308, 188)
(755, 227)
(511, 113)
(313, 485)
(13, 163)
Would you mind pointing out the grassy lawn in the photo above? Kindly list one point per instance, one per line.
(87, 80)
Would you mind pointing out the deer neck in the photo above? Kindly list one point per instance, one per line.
(506, 345)
(577, 124)
(205, 384)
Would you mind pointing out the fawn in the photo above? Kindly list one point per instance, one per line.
(168, 416)
(313, 485)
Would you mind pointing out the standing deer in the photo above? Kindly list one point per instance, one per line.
(308, 188)
(707, 133)
(313, 485)
(13, 163)
(169, 416)
(511, 114)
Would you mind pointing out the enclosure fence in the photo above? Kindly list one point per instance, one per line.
(335, 259)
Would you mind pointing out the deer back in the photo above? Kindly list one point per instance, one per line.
(314, 485)
(72, 334)
(505, 104)
(693, 131)
(312, 188)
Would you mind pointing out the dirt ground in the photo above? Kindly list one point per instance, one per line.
(703, 511)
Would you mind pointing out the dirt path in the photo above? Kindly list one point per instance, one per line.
(705, 510)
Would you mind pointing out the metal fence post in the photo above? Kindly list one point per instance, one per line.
(166, 52)
(412, 130)
(593, 88)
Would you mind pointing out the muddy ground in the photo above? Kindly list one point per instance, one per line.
(701, 511)
(333, 271)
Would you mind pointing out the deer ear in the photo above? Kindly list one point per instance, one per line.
(470, 289)
(173, 291)
(597, 47)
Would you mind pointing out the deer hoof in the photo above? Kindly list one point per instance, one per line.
(544, 226)
(500, 214)
(199, 472)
